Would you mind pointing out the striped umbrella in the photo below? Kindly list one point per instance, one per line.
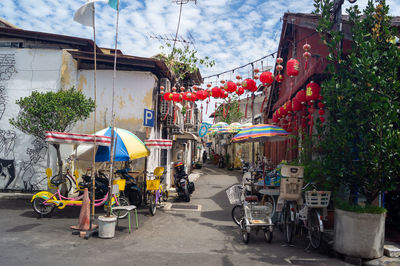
(128, 147)
(261, 132)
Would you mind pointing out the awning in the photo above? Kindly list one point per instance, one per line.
(158, 143)
(73, 138)
(187, 136)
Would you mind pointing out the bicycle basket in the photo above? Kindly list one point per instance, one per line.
(121, 183)
(317, 199)
(291, 188)
(234, 193)
(260, 212)
(153, 184)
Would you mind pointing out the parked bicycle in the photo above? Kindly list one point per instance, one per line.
(45, 202)
(155, 189)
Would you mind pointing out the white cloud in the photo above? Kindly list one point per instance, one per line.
(232, 32)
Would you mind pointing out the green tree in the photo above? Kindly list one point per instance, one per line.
(183, 62)
(361, 141)
(229, 111)
(52, 111)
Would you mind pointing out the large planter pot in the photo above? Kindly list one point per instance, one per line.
(107, 226)
(359, 235)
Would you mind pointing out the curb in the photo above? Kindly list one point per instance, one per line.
(14, 196)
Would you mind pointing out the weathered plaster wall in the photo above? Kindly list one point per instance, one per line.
(22, 157)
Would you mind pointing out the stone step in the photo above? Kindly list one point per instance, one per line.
(392, 251)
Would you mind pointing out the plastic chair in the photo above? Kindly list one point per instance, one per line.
(129, 208)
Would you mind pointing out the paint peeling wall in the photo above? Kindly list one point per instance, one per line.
(22, 157)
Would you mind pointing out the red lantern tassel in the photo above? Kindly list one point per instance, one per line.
(165, 117)
(207, 106)
(191, 110)
(174, 113)
(201, 117)
(262, 105)
(223, 111)
(245, 112)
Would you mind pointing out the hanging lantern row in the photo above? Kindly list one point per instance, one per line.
(288, 114)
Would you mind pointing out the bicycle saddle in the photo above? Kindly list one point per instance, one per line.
(56, 182)
(85, 184)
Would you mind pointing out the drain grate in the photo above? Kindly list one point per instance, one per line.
(185, 207)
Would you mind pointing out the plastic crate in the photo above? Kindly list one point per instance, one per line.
(234, 194)
(290, 188)
(317, 199)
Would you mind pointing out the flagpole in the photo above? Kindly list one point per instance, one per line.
(112, 155)
(94, 121)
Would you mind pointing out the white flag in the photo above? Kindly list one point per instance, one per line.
(84, 15)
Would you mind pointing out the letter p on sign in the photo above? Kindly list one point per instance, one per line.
(148, 119)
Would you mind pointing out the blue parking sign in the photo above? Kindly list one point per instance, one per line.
(148, 118)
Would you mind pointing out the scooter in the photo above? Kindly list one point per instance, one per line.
(183, 187)
(132, 190)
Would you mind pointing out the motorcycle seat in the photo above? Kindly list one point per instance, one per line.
(251, 198)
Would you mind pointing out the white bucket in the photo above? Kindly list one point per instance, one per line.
(107, 226)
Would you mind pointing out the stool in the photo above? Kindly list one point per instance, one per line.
(128, 208)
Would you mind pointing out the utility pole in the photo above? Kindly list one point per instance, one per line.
(252, 113)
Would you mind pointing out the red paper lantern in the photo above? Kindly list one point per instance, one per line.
(312, 92)
(267, 78)
(162, 88)
(224, 94)
(279, 60)
(174, 89)
(301, 96)
(296, 105)
(283, 110)
(275, 119)
(162, 93)
(201, 95)
(208, 85)
(176, 97)
(182, 88)
(288, 106)
(322, 119)
(306, 55)
(250, 85)
(222, 81)
(168, 96)
(279, 78)
(279, 68)
(256, 70)
(321, 111)
(240, 91)
(216, 92)
(292, 67)
(238, 77)
(230, 86)
(256, 77)
(194, 97)
(321, 105)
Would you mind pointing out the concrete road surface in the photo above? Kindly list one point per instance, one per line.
(200, 232)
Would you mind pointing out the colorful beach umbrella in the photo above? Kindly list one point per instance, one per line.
(260, 132)
(128, 147)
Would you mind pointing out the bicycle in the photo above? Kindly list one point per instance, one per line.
(155, 189)
(44, 202)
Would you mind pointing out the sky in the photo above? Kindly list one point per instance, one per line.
(232, 33)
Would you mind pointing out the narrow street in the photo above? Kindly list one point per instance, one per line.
(200, 232)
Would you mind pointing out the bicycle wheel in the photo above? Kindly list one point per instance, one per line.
(289, 225)
(268, 235)
(314, 230)
(152, 203)
(40, 208)
(121, 214)
(243, 231)
(237, 214)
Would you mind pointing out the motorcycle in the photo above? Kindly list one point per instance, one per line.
(245, 166)
(132, 190)
(183, 187)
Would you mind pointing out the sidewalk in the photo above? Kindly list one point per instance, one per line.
(16, 195)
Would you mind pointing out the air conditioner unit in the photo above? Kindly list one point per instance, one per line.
(177, 131)
(166, 83)
(166, 108)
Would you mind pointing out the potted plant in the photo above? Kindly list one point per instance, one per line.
(361, 139)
